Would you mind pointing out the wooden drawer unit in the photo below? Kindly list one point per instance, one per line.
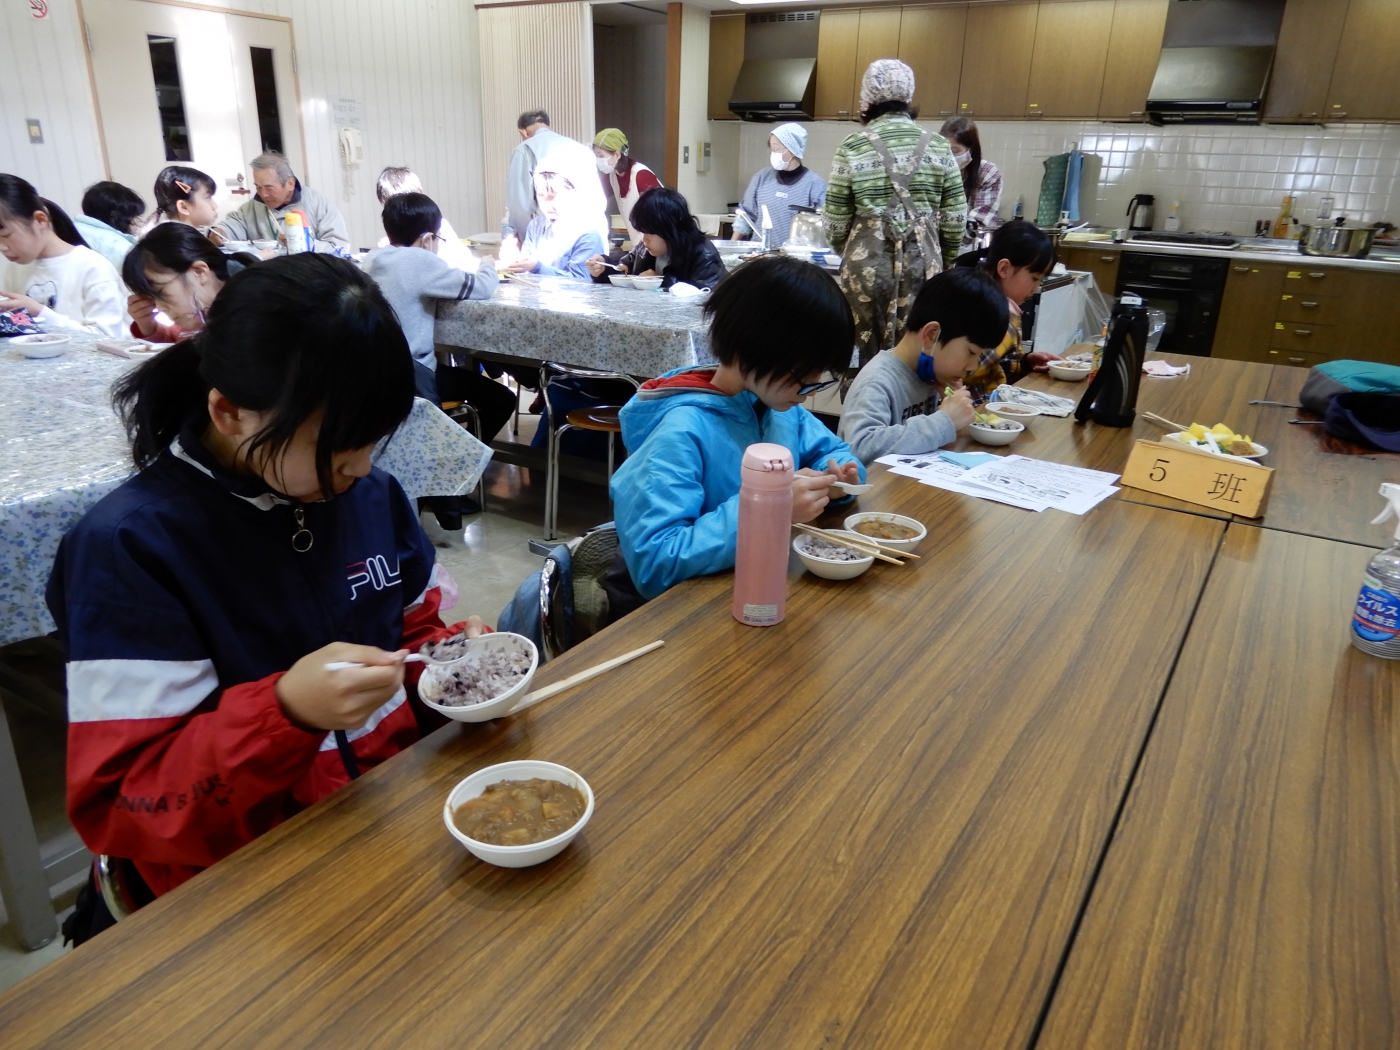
(1101, 262)
(1248, 310)
(1324, 339)
(1315, 280)
(1296, 358)
(1310, 309)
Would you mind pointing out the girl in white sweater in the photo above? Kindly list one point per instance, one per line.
(50, 272)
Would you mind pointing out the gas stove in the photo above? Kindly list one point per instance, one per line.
(1197, 240)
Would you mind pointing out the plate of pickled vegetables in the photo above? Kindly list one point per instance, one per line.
(1220, 440)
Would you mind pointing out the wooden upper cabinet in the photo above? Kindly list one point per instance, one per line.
(1307, 50)
(1134, 45)
(838, 33)
(726, 56)
(1366, 75)
(1071, 51)
(931, 44)
(878, 38)
(997, 50)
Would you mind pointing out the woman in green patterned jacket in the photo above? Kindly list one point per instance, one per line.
(895, 207)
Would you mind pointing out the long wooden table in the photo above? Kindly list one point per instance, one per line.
(1100, 781)
(1252, 894)
(872, 825)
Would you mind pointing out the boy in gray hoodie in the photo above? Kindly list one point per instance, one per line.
(895, 404)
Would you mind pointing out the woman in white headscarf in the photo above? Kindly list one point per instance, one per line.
(895, 209)
(785, 184)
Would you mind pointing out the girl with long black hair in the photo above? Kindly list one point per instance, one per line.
(177, 269)
(672, 244)
(201, 601)
(51, 273)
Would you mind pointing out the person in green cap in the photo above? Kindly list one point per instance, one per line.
(626, 179)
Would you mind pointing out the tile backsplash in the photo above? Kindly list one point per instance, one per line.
(1224, 177)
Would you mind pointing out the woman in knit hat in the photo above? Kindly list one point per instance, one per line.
(895, 209)
(626, 179)
(785, 184)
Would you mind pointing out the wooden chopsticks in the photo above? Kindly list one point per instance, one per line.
(869, 547)
(1152, 417)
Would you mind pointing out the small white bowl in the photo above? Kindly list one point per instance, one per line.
(1068, 373)
(525, 769)
(647, 284)
(893, 519)
(37, 346)
(496, 707)
(1182, 439)
(828, 569)
(620, 280)
(1011, 410)
(985, 435)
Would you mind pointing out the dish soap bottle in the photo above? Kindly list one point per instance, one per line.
(765, 525)
(1375, 626)
(296, 233)
(1173, 221)
(1284, 220)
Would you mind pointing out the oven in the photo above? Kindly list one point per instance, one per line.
(1186, 288)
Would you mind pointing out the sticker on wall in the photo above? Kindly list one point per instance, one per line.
(38, 8)
(348, 113)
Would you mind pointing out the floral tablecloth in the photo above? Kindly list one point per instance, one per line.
(62, 449)
(582, 324)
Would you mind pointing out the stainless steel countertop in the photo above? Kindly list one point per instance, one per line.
(1250, 251)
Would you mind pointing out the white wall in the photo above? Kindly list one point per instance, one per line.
(1225, 177)
(415, 64)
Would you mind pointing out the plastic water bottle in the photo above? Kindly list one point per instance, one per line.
(1375, 626)
(296, 234)
(765, 525)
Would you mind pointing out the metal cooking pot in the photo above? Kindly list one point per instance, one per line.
(1339, 240)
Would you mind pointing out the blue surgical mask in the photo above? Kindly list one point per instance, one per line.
(925, 368)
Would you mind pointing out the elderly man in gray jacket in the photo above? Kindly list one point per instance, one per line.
(279, 191)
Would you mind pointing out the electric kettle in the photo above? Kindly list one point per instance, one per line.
(1140, 212)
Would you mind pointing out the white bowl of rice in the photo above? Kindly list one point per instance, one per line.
(477, 679)
(831, 561)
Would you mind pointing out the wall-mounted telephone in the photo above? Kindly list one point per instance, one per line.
(352, 148)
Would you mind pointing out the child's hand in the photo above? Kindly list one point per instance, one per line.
(847, 472)
(475, 625)
(215, 236)
(1039, 360)
(15, 301)
(315, 698)
(957, 406)
(810, 494)
(142, 309)
(597, 265)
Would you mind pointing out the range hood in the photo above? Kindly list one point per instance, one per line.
(1215, 62)
(778, 78)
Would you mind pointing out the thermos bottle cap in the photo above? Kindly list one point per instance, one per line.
(767, 465)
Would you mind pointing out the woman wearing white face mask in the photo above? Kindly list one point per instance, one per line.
(624, 178)
(981, 179)
(177, 269)
(785, 184)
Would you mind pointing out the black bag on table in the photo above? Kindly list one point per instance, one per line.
(1372, 420)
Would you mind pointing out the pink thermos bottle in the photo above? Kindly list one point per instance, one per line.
(765, 525)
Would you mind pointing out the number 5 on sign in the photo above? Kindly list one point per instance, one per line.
(1237, 486)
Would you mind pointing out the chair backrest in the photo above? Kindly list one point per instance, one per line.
(551, 373)
(556, 603)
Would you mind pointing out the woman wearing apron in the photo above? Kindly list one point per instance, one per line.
(624, 178)
(895, 208)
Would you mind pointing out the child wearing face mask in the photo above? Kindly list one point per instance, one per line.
(785, 184)
(175, 269)
(202, 600)
(623, 177)
(1018, 258)
(51, 273)
(780, 329)
(896, 402)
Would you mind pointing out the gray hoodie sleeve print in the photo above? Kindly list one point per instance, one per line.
(889, 409)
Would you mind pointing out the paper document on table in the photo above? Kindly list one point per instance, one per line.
(1050, 485)
(941, 474)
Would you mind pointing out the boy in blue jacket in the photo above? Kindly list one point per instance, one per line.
(781, 330)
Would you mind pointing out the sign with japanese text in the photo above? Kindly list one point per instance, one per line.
(1236, 486)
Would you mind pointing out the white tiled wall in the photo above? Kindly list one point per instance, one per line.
(413, 62)
(1224, 177)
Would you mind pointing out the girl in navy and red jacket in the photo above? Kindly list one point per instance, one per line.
(201, 601)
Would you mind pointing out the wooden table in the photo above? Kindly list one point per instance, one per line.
(1315, 492)
(873, 825)
(1252, 894)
